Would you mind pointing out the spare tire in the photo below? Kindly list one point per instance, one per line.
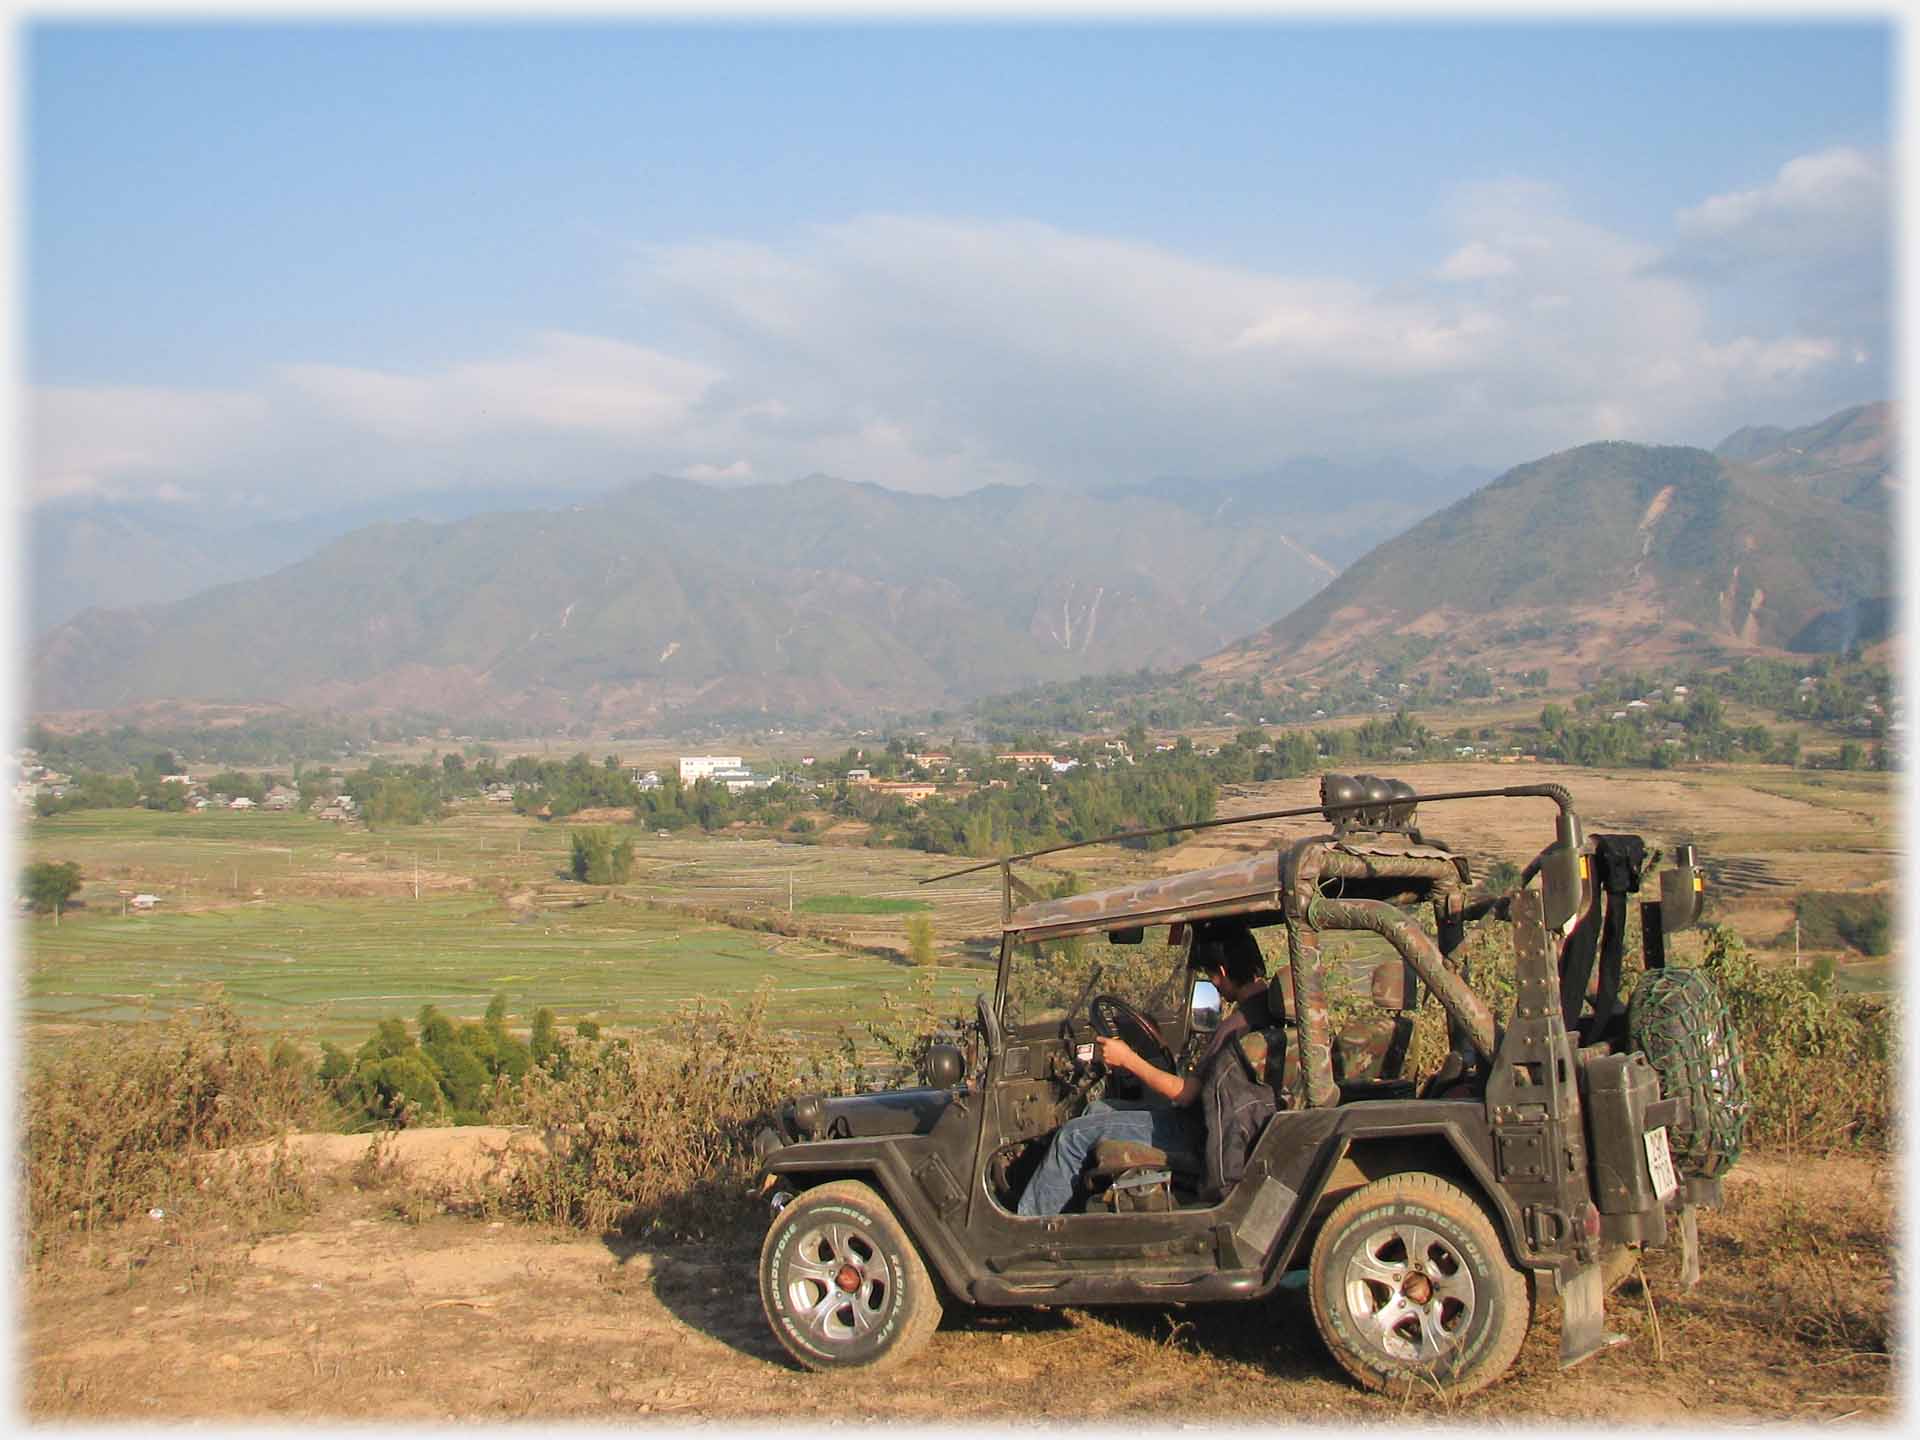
(1678, 1019)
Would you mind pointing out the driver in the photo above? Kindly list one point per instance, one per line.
(1229, 956)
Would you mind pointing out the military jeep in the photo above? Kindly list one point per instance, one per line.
(1427, 1210)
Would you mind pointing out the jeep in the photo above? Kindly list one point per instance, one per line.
(1426, 1210)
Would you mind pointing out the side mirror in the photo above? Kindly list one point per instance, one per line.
(1563, 872)
(1205, 1014)
(1682, 893)
(944, 1066)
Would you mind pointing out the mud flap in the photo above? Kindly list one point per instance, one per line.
(1583, 1330)
(1689, 1246)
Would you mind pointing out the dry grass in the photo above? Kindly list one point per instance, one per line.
(116, 1123)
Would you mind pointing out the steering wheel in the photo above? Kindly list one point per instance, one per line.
(1111, 1016)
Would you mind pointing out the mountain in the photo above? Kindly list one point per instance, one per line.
(1846, 457)
(1617, 553)
(85, 552)
(1340, 510)
(669, 597)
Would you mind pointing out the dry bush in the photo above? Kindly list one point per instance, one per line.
(1820, 1063)
(116, 1122)
(655, 1133)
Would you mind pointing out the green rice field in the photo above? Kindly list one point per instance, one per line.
(320, 931)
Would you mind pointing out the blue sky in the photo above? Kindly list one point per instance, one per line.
(932, 256)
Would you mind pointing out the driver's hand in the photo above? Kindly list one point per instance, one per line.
(1114, 1053)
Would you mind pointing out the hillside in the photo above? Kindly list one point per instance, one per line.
(815, 598)
(1846, 457)
(1613, 553)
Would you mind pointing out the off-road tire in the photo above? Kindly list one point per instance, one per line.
(837, 1232)
(1678, 1018)
(1477, 1306)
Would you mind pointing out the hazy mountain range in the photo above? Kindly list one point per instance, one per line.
(675, 600)
(815, 597)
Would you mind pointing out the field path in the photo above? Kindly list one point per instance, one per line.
(361, 1314)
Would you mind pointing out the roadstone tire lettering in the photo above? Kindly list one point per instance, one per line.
(1677, 1017)
(841, 1283)
(1411, 1285)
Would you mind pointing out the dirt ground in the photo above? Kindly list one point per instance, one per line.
(375, 1307)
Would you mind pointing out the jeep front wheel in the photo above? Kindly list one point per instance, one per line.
(841, 1282)
(1410, 1282)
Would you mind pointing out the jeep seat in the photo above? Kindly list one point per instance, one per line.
(1370, 1056)
(1113, 1158)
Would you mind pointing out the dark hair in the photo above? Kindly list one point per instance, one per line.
(1228, 947)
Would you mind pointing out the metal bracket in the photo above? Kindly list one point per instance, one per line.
(1689, 1246)
(1583, 1319)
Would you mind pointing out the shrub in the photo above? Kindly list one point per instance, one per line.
(114, 1121)
(1831, 919)
(1819, 1062)
(655, 1133)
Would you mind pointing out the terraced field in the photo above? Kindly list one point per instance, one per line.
(320, 931)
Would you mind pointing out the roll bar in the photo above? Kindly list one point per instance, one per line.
(1559, 794)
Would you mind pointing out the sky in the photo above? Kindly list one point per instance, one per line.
(265, 260)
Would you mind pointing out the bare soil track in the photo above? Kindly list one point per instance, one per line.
(367, 1310)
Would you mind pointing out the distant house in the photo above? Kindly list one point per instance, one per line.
(144, 902)
(859, 777)
(912, 792)
(701, 767)
(1638, 705)
(240, 802)
(282, 797)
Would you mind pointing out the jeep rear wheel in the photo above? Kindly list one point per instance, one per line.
(1410, 1282)
(841, 1282)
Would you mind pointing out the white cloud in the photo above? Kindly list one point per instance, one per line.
(1833, 197)
(571, 383)
(124, 441)
(1476, 261)
(942, 354)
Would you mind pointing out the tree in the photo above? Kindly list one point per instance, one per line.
(920, 939)
(599, 859)
(49, 884)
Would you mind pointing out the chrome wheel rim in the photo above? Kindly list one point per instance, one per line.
(838, 1283)
(1410, 1292)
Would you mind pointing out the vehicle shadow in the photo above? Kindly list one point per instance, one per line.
(715, 1289)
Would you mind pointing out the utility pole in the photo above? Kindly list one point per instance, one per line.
(789, 892)
(416, 874)
(1796, 942)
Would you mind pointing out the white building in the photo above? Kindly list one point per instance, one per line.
(700, 767)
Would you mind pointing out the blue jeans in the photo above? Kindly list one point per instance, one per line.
(1161, 1124)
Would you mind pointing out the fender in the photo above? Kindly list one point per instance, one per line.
(1462, 1135)
(901, 1169)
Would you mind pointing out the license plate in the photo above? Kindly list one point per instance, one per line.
(1660, 1162)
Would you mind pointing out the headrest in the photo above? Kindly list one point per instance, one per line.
(1390, 985)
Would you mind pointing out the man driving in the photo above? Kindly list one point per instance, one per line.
(1229, 956)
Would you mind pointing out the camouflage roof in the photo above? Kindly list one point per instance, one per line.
(1242, 885)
